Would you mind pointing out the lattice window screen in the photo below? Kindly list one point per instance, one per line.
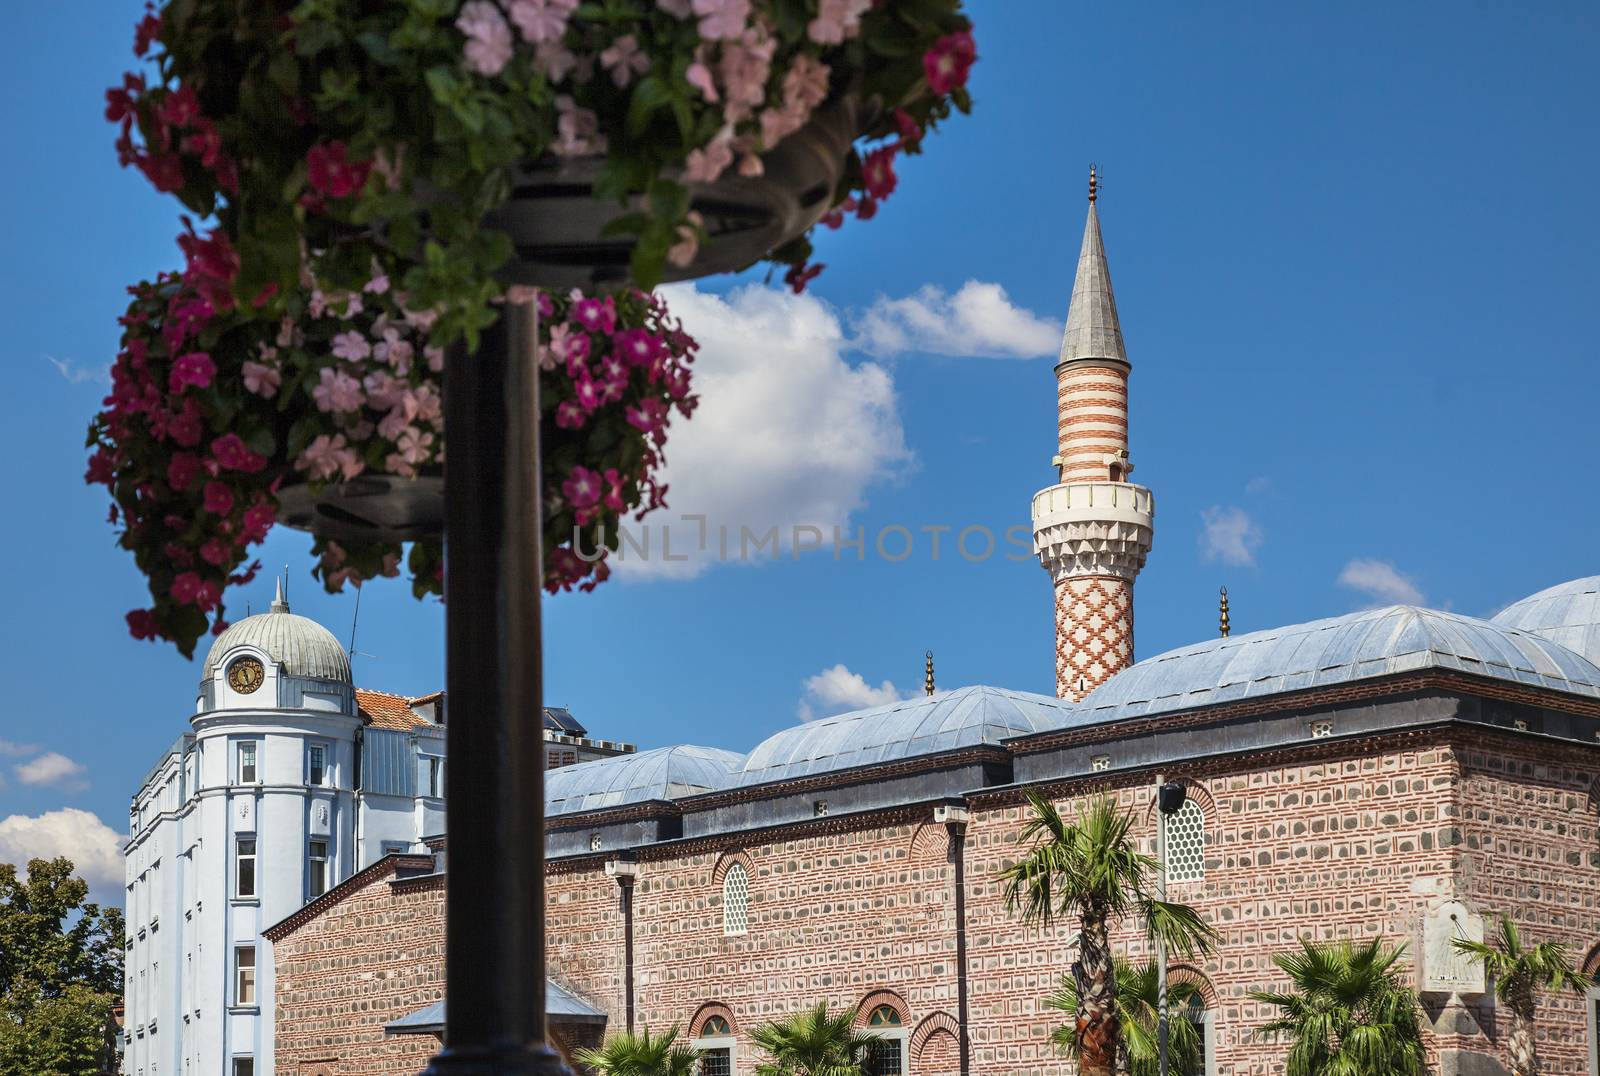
(1186, 843)
(735, 900)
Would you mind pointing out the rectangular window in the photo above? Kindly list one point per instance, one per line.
(244, 979)
(317, 868)
(716, 1062)
(247, 762)
(244, 1066)
(245, 867)
(316, 764)
(884, 1058)
(435, 777)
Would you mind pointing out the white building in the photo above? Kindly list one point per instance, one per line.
(290, 781)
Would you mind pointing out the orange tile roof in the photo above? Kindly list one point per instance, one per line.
(387, 711)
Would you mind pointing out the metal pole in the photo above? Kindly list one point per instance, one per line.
(494, 899)
(1161, 944)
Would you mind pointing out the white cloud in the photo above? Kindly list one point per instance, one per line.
(15, 750)
(93, 846)
(53, 769)
(787, 433)
(978, 321)
(1229, 535)
(79, 375)
(1380, 581)
(836, 690)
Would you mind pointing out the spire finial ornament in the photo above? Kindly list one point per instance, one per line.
(1094, 184)
(927, 679)
(1223, 623)
(280, 603)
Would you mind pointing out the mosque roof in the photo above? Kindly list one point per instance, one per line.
(300, 644)
(924, 725)
(662, 774)
(1567, 613)
(1357, 646)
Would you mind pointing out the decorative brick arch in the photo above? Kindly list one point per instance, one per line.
(318, 1070)
(930, 841)
(933, 1026)
(706, 1012)
(1594, 794)
(1591, 963)
(1188, 973)
(1196, 791)
(883, 997)
(728, 859)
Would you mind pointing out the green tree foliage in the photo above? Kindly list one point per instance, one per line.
(1519, 974)
(1137, 998)
(1348, 1012)
(60, 973)
(812, 1043)
(642, 1055)
(1091, 870)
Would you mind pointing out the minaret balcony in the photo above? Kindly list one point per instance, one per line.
(1093, 528)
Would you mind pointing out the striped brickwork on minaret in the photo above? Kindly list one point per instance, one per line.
(1093, 529)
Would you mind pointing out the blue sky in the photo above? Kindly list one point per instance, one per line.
(1355, 252)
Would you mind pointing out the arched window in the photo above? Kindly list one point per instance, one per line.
(886, 1056)
(717, 1047)
(1186, 843)
(735, 900)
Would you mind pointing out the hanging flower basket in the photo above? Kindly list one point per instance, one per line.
(373, 177)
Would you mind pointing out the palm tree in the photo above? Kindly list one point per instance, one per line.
(1349, 1013)
(1091, 870)
(1518, 975)
(812, 1043)
(1137, 998)
(641, 1055)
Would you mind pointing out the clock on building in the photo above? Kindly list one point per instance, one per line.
(245, 675)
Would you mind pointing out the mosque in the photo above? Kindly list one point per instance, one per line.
(1399, 771)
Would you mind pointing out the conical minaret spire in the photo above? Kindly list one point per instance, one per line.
(280, 603)
(1093, 529)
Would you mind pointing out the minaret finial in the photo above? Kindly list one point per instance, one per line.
(280, 600)
(1223, 623)
(927, 680)
(1094, 184)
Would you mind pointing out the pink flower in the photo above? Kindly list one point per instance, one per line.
(182, 470)
(218, 499)
(378, 285)
(699, 76)
(577, 130)
(570, 415)
(261, 379)
(435, 357)
(327, 456)
(337, 391)
(596, 315)
(707, 164)
(624, 60)
(542, 20)
(488, 37)
(805, 84)
(877, 172)
(351, 346)
(233, 454)
(743, 69)
(396, 422)
(577, 349)
(396, 352)
(582, 489)
(650, 416)
(331, 174)
(554, 61)
(384, 390)
(837, 20)
(194, 368)
(682, 253)
(721, 20)
(948, 61)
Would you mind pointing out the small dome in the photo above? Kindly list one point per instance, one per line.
(301, 645)
(924, 725)
(665, 773)
(1568, 613)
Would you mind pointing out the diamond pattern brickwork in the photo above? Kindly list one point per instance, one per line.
(1094, 632)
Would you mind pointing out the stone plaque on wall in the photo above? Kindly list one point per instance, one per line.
(244, 813)
(1441, 969)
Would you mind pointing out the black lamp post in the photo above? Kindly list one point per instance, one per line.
(1169, 800)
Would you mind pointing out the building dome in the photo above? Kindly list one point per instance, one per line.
(301, 645)
(1568, 613)
(666, 773)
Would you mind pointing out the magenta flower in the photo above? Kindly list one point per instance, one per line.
(189, 589)
(182, 470)
(877, 172)
(258, 520)
(588, 392)
(650, 416)
(948, 62)
(637, 346)
(582, 488)
(194, 368)
(216, 552)
(596, 315)
(331, 173)
(218, 498)
(570, 415)
(233, 454)
(142, 624)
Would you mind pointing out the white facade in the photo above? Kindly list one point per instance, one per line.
(281, 790)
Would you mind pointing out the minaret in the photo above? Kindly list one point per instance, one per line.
(1093, 529)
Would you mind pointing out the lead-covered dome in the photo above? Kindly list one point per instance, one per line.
(301, 645)
(1568, 613)
(666, 773)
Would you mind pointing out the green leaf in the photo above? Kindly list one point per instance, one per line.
(649, 95)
